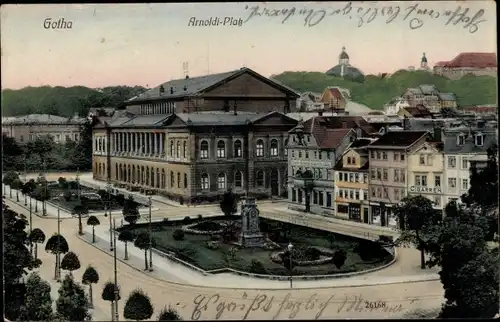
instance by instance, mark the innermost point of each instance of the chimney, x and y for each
(171, 90)
(185, 88)
(406, 123)
(437, 134)
(162, 90)
(320, 113)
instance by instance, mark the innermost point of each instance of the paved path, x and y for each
(233, 303)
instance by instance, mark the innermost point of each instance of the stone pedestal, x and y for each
(250, 235)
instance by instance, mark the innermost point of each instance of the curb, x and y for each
(247, 289)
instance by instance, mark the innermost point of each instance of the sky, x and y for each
(148, 44)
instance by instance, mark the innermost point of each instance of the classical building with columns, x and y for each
(194, 158)
(156, 143)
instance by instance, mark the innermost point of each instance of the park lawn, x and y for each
(209, 259)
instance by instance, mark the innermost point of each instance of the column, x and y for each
(114, 143)
(150, 143)
(155, 150)
(134, 136)
(129, 143)
(122, 143)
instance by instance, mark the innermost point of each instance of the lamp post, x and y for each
(108, 209)
(116, 317)
(307, 176)
(58, 244)
(78, 183)
(290, 247)
(25, 181)
(44, 182)
(150, 240)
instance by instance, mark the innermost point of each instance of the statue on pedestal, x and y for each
(250, 235)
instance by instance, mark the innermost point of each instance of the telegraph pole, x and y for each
(25, 181)
(31, 228)
(116, 317)
(108, 208)
(150, 240)
(58, 244)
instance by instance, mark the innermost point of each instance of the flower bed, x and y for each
(278, 258)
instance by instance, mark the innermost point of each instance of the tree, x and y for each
(126, 236)
(72, 304)
(9, 177)
(63, 183)
(169, 314)
(469, 271)
(108, 294)
(143, 242)
(38, 301)
(16, 185)
(80, 210)
(229, 203)
(178, 234)
(37, 237)
(130, 210)
(57, 245)
(416, 214)
(90, 276)
(70, 262)
(229, 232)
(339, 258)
(138, 306)
(93, 221)
(257, 267)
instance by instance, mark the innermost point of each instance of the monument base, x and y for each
(251, 240)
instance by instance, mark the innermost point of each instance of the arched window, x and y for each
(238, 179)
(221, 149)
(178, 179)
(171, 148)
(152, 175)
(204, 181)
(158, 178)
(259, 148)
(185, 180)
(286, 147)
(178, 149)
(99, 169)
(184, 150)
(259, 178)
(204, 150)
(274, 148)
(172, 179)
(163, 179)
(238, 153)
(146, 174)
(221, 181)
(116, 171)
(133, 174)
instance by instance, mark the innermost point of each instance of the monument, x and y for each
(250, 235)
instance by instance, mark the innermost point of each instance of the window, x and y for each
(21, 138)
(221, 181)
(204, 181)
(437, 201)
(373, 174)
(421, 180)
(372, 154)
(402, 157)
(221, 149)
(465, 184)
(348, 160)
(386, 194)
(351, 177)
(178, 179)
(238, 179)
(402, 175)
(465, 163)
(373, 192)
(184, 150)
(384, 155)
(429, 159)
(320, 198)
(460, 139)
(379, 174)
(424, 181)
(378, 155)
(185, 180)
(259, 149)
(479, 139)
(422, 159)
(452, 183)
(396, 156)
(328, 155)
(385, 174)
(204, 150)
(437, 180)
(259, 178)
(379, 192)
(396, 175)
(396, 194)
(171, 148)
(172, 179)
(365, 195)
(293, 153)
(418, 182)
(178, 149)
(357, 195)
(286, 147)
(346, 177)
(452, 162)
(274, 148)
(237, 149)
(329, 199)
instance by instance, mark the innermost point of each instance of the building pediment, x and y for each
(425, 148)
(275, 118)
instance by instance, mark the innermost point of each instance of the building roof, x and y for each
(428, 89)
(418, 111)
(331, 138)
(359, 143)
(401, 139)
(210, 119)
(343, 54)
(339, 166)
(335, 92)
(452, 146)
(440, 64)
(191, 86)
(472, 60)
(42, 119)
(337, 122)
(349, 71)
(447, 96)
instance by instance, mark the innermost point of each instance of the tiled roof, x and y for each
(398, 139)
(335, 93)
(338, 122)
(331, 138)
(440, 63)
(362, 142)
(450, 142)
(428, 89)
(42, 119)
(418, 111)
(474, 60)
(195, 85)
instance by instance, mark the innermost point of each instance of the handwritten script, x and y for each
(416, 15)
(287, 308)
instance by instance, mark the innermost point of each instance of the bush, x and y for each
(312, 254)
(186, 220)
(208, 226)
(213, 245)
(256, 267)
(178, 234)
(67, 195)
(214, 237)
(200, 217)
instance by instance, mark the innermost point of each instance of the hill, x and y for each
(63, 101)
(376, 91)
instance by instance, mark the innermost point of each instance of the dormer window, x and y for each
(460, 139)
(479, 139)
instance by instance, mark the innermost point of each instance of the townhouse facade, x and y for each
(430, 97)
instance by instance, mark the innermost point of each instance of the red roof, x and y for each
(474, 60)
(336, 93)
(441, 63)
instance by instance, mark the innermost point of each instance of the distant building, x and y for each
(480, 109)
(309, 101)
(430, 97)
(333, 99)
(478, 64)
(419, 111)
(29, 127)
(423, 63)
(394, 105)
(345, 70)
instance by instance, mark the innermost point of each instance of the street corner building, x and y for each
(192, 139)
